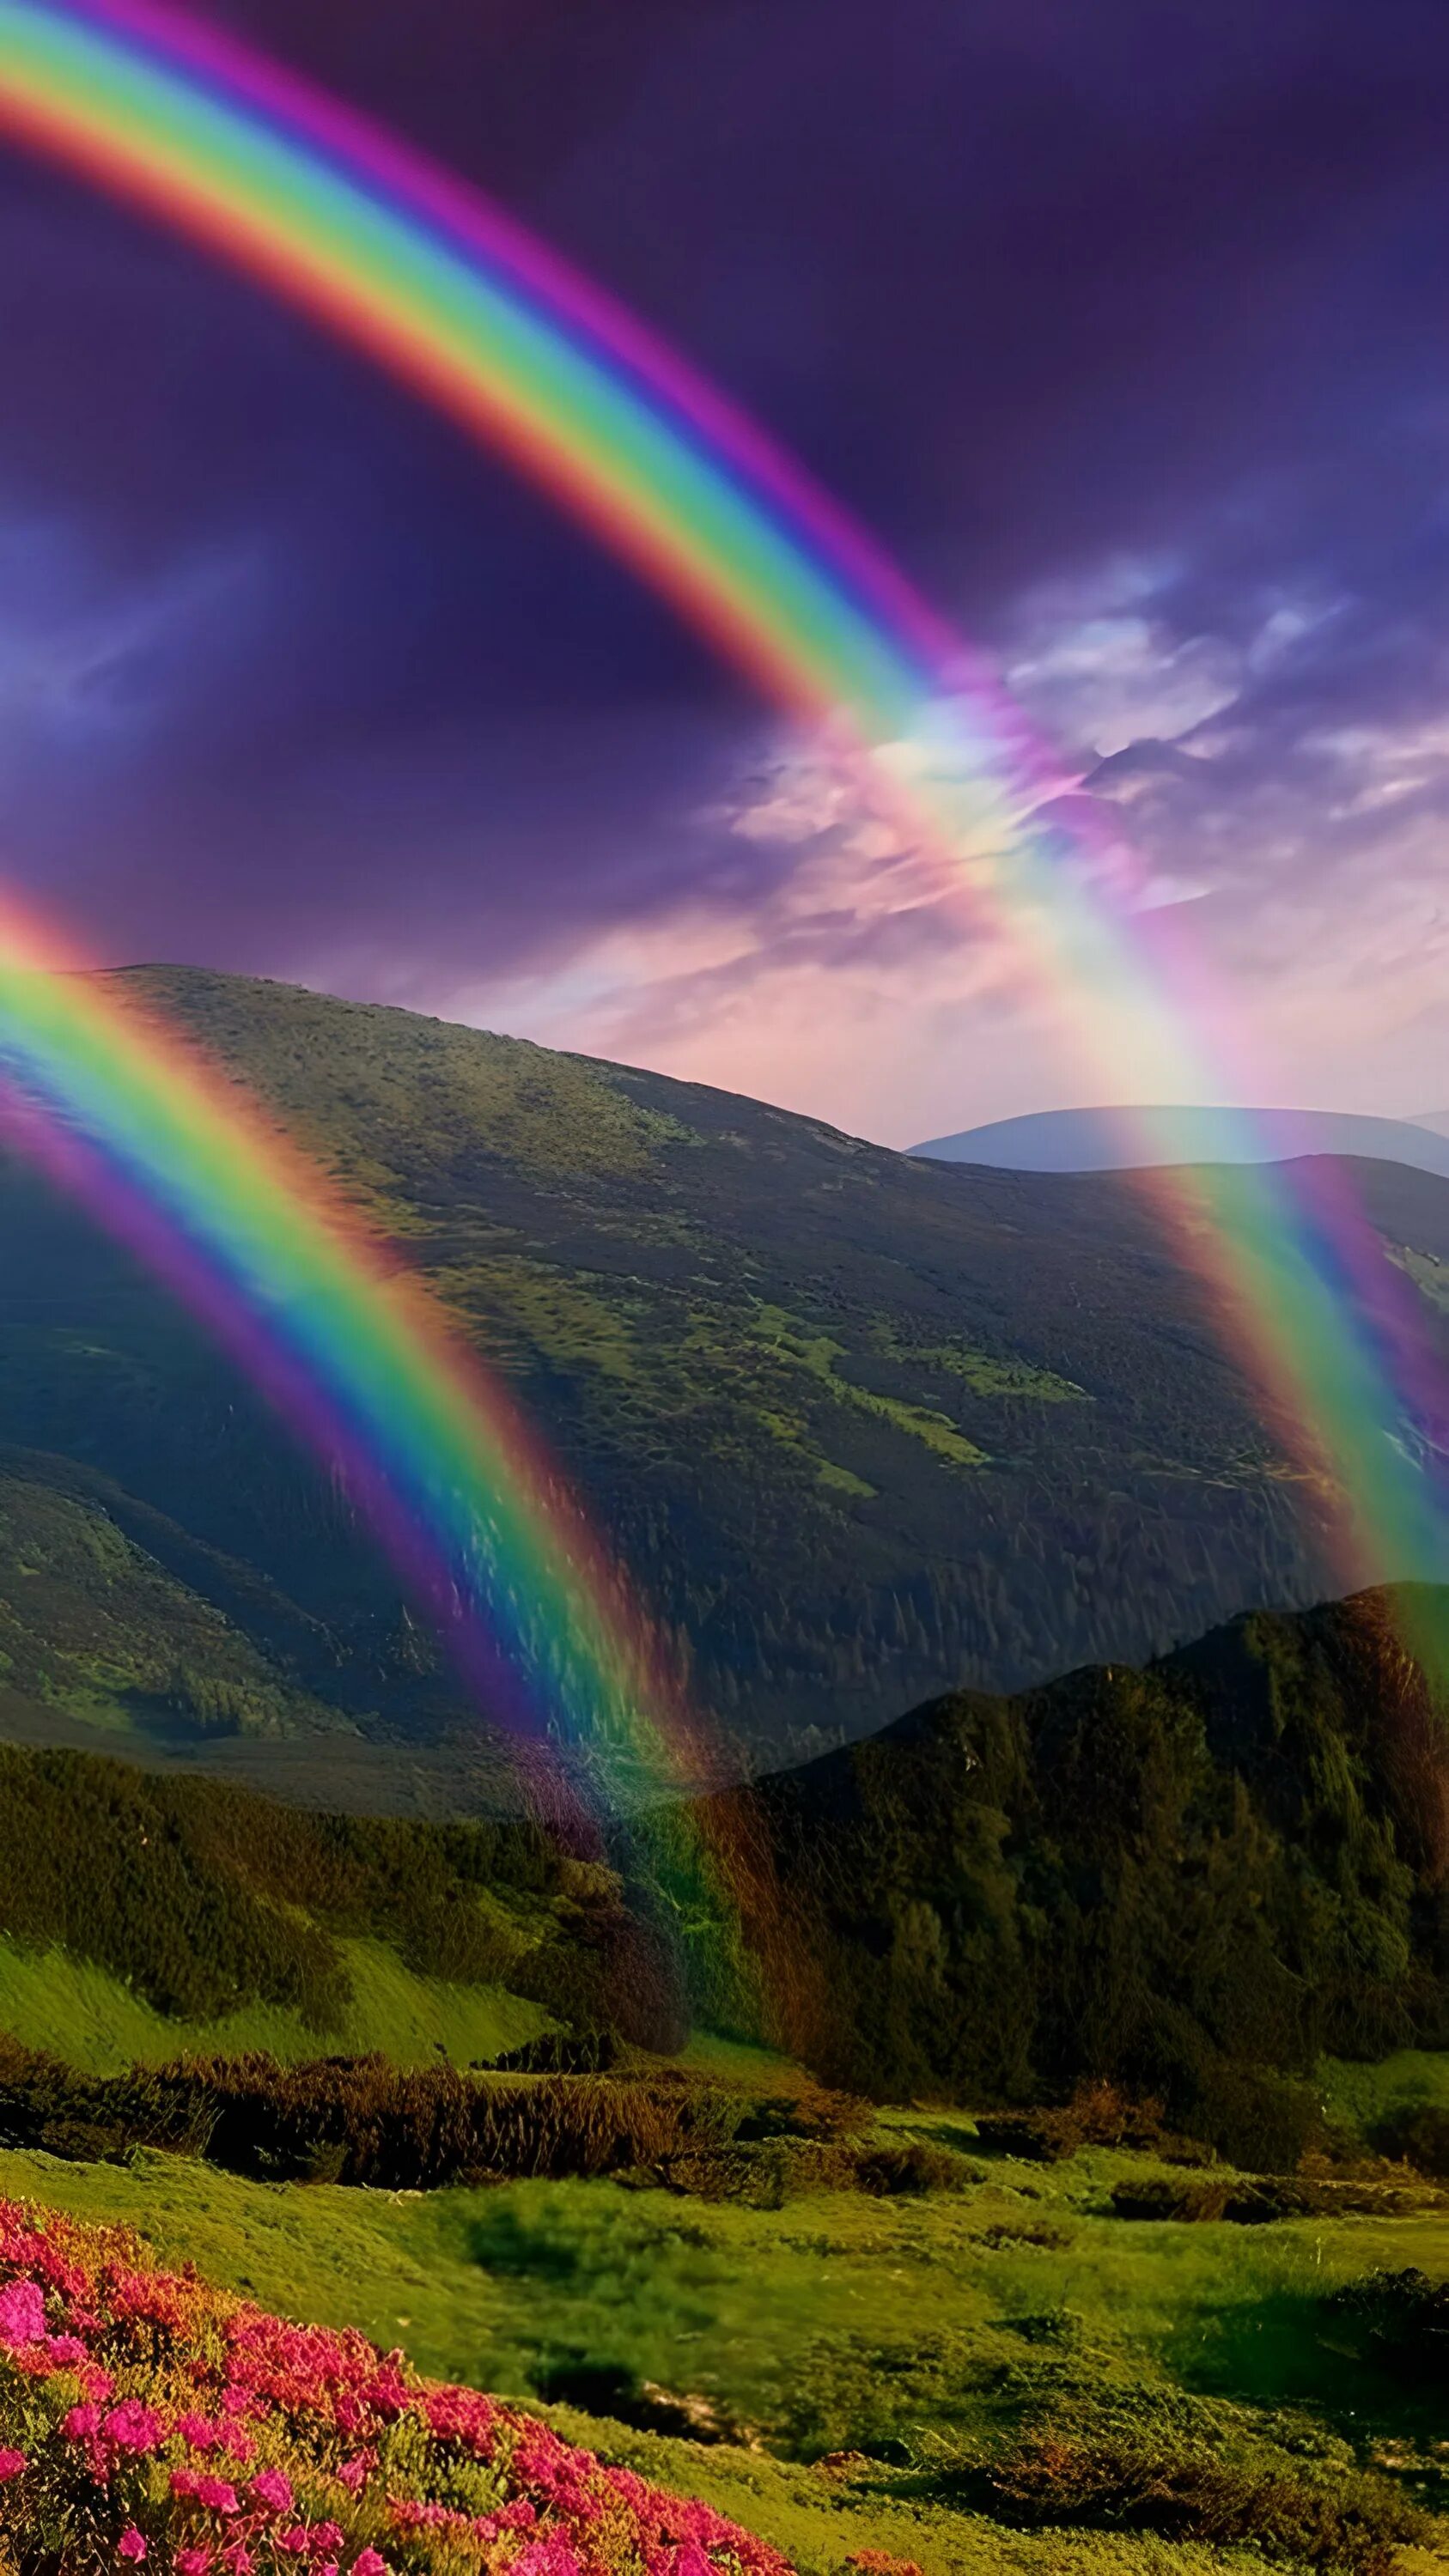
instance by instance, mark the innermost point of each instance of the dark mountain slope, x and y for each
(862, 1425)
(1236, 1857)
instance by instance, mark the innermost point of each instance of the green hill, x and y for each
(141, 1915)
(864, 1426)
(1236, 1859)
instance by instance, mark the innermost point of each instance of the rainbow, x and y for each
(175, 1163)
(431, 283)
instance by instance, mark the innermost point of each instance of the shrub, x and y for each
(1420, 2136)
(1406, 2318)
(1041, 2137)
(1259, 2121)
(363, 2121)
(1098, 2115)
(1107, 2482)
(1249, 2204)
(889, 2172)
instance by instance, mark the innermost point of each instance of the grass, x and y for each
(1360, 2097)
(52, 2001)
(92, 1624)
(517, 1307)
(909, 2331)
(818, 1353)
(982, 1371)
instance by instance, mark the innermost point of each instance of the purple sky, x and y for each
(1127, 326)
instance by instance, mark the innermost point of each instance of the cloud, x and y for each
(89, 656)
(1103, 673)
(1307, 850)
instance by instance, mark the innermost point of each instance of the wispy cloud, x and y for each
(847, 970)
(90, 655)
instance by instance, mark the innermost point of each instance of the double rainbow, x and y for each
(454, 299)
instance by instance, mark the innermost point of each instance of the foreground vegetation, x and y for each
(144, 2416)
(427, 2081)
(1194, 1880)
(998, 2372)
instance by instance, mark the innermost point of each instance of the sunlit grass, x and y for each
(53, 2001)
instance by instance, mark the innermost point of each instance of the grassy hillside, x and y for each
(142, 1914)
(50, 1999)
(850, 2366)
(92, 1623)
(864, 1426)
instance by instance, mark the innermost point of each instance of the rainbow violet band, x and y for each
(420, 275)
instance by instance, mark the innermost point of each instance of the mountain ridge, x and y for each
(1146, 1138)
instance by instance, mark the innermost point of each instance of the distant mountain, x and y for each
(1124, 1140)
(1436, 1120)
(864, 1427)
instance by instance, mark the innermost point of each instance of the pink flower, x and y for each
(551, 2557)
(297, 2541)
(198, 2432)
(81, 2422)
(193, 2562)
(66, 2351)
(354, 2473)
(238, 2559)
(131, 2544)
(369, 2564)
(11, 2464)
(134, 2427)
(216, 2495)
(22, 2316)
(273, 2490)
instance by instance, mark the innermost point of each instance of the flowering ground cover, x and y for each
(150, 2421)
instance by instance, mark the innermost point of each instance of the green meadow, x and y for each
(851, 2363)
